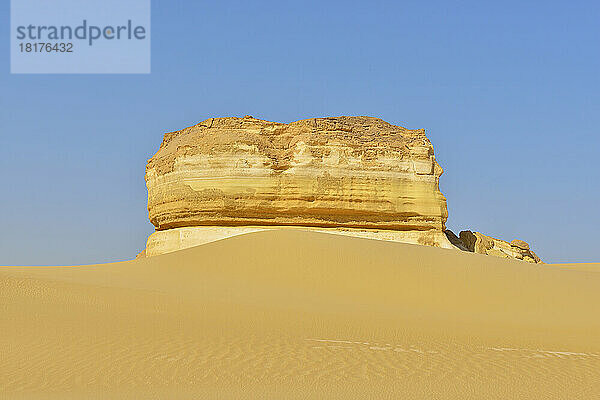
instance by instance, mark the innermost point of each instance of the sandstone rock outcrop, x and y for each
(358, 176)
(352, 174)
(477, 242)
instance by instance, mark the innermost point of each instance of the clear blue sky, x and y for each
(509, 93)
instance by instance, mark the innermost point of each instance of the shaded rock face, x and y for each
(357, 172)
(455, 240)
(479, 243)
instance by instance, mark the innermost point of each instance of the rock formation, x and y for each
(479, 243)
(357, 176)
(352, 174)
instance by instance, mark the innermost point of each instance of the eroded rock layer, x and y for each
(357, 176)
(352, 172)
(477, 242)
(169, 240)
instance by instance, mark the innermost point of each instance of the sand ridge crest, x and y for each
(332, 316)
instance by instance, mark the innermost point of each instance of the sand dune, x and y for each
(292, 314)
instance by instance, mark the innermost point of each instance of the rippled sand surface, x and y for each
(292, 314)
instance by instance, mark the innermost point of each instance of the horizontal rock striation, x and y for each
(327, 172)
(353, 173)
(357, 176)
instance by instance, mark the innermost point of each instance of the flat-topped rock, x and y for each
(357, 176)
(355, 172)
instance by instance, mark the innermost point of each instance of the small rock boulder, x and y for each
(520, 244)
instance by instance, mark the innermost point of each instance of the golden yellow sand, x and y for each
(290, 314)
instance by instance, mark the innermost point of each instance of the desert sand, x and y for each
(293, 314)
